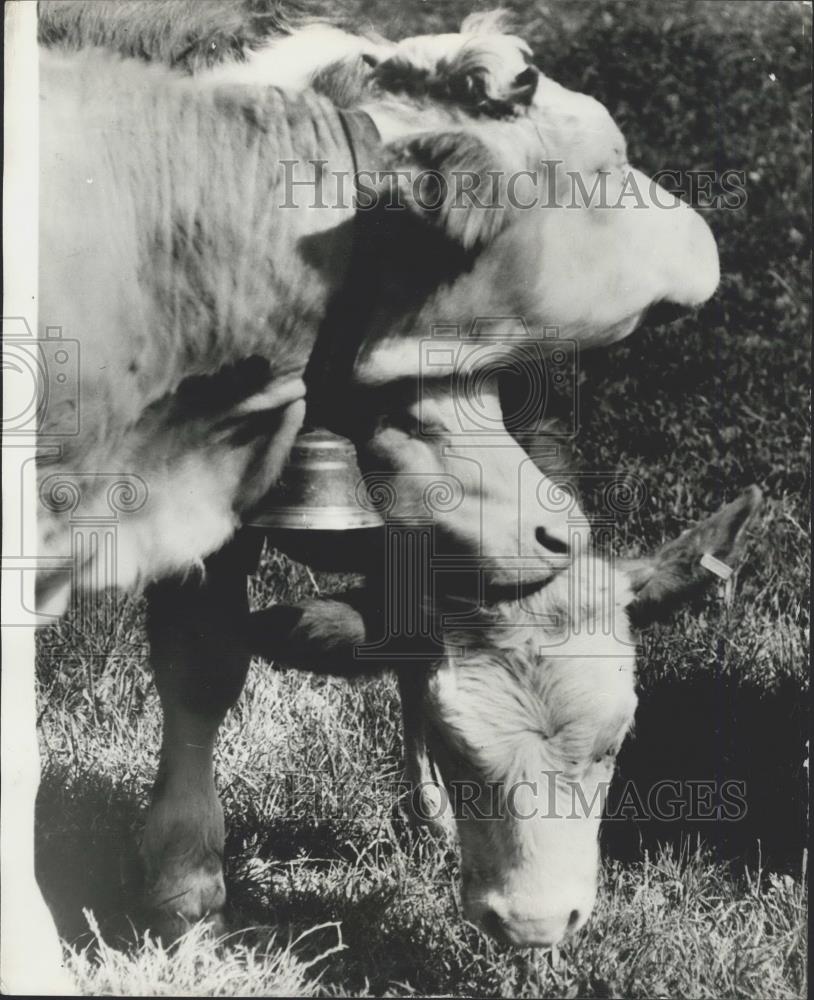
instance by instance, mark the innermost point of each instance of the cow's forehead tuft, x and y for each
(567, 639)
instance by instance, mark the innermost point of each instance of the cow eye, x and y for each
(426, 426)
(421, 424)
(400, 419)
(527, 78)
(609, 756)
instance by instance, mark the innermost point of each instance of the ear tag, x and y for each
(720, 569)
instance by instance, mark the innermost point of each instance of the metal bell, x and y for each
(318, 489)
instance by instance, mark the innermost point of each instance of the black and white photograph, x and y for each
(406, 498)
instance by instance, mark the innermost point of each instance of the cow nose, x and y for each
(553, 540)
(528, 930)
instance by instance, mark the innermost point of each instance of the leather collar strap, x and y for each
(330, 366)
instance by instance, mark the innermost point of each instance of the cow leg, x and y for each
(427, 801)
(200, 661)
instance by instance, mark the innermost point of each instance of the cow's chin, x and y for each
(623, 328)
(658, 315)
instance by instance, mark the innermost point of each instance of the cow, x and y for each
(170, 249)
(187, 308)
(523, 711)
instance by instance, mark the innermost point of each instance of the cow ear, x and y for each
(683, 567)
(454, 181)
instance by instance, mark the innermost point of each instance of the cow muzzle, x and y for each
(527, 921)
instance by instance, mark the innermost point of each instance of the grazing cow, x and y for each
(525, 710)
(181, 244)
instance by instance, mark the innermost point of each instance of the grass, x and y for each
(318, 856)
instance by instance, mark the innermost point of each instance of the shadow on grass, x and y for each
(87, 836)
(387, 937)
(86, 840)
(87, 858)
(709, 729)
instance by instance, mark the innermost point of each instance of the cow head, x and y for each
(525, 713)
(540, 217)
(528, 188)
(525, 721)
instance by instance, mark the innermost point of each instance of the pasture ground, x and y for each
(318, 856)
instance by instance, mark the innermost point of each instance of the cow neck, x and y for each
(328, 375)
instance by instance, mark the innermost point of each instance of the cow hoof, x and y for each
(170, 927)
(175, 904)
